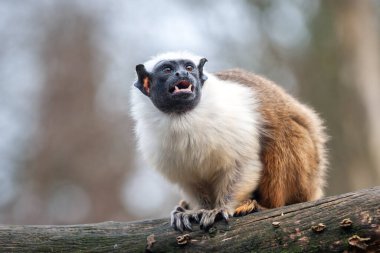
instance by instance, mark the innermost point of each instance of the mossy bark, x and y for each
(291, 231)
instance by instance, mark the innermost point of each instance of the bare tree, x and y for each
(331, 75)
(357, 26)
(81, 156)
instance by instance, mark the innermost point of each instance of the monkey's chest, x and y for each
(202, 145)
(192, 156)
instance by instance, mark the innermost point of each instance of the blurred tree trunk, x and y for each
(330, 84)
(81, 157)
(357, 26)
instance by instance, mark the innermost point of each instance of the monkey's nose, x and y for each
(182, 73)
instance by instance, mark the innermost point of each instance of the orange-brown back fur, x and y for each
(292, 144)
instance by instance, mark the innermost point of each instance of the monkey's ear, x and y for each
(200, 69)
(143, 80)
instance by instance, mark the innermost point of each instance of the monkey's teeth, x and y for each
(177, 89)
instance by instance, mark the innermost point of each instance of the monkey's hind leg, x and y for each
(248, 206)
(182, 217)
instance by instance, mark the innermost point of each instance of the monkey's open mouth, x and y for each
(183, 86)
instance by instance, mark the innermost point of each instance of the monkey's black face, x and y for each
(174, 86)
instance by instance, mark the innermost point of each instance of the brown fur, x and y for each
(292, 144)
(246, 207)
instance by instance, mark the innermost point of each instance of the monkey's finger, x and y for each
(240, 213)
(186, 222)
(179, 209)
(196, 217)
(202, 221)
(173, 223)
(172, 219)
(207, 220)
(201, 213)
(225, 215)
(178, 222)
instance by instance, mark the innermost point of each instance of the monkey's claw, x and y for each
(181, 218)
(210, 216)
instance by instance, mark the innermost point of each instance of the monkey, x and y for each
(233, 141)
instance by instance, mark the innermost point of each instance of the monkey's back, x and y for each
(292, 143)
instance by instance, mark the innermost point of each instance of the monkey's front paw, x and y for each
(181, 218)
(209, 217)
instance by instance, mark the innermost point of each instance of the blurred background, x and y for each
(67, 150)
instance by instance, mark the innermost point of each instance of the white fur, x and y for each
(221, 131)
(149, 65)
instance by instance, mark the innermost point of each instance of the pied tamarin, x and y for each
(233, 141)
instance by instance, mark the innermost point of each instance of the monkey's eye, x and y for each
(167, 70)
(189, 68)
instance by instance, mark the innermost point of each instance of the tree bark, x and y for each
(288, 229)
(357, 26)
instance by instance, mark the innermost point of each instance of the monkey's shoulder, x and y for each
(264, 88)
(238, 75)
(278, 109)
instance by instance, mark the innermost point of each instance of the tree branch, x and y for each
(292, 228)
